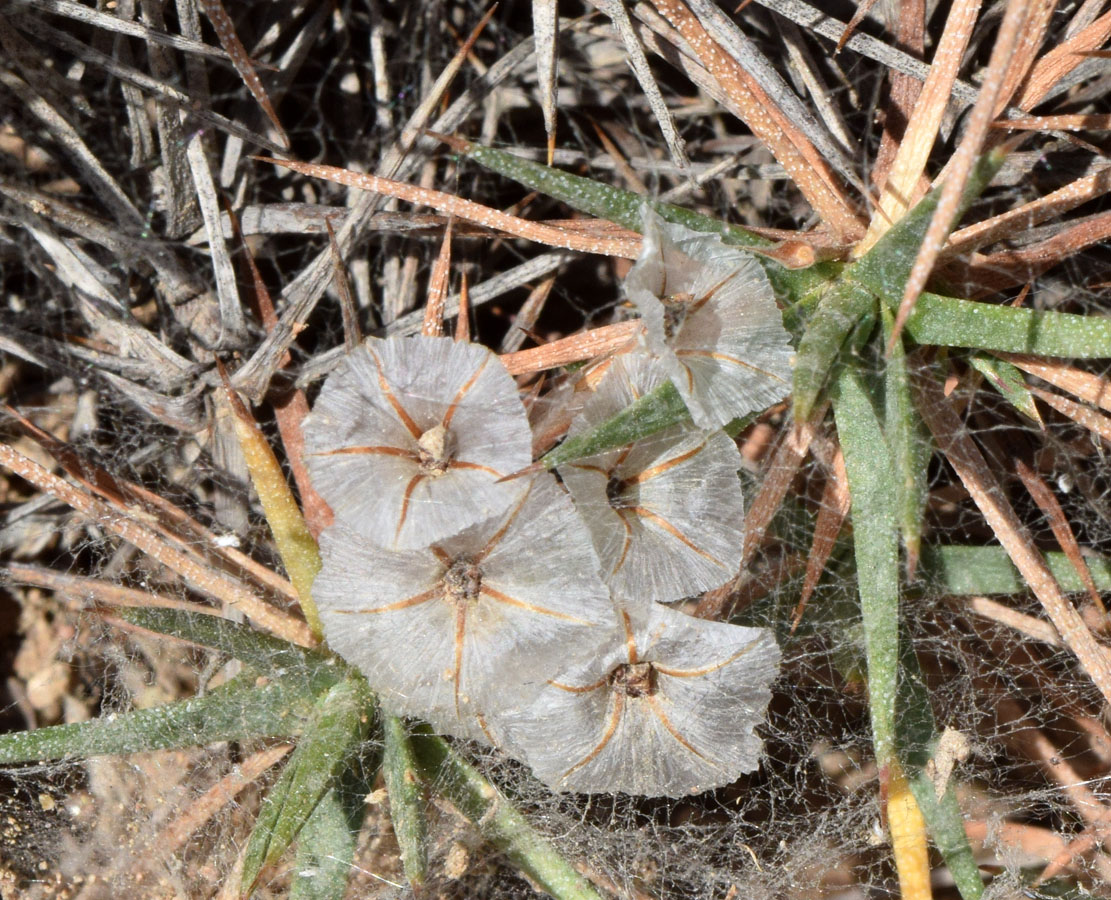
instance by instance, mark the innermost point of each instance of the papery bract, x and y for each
(669, 709)
(408, 439)
(469, 627)
(711, 320)
(665, 513)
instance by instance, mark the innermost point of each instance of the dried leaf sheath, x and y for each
(407, 441)
(457, 632)
(668, 709)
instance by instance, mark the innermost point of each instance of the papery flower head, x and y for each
(408, 439)
(665, 513)
(460, 631)
(711, 319)
(668, 709)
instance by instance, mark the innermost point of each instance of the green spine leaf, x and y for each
(341, 721)
(407, 799)
(234, 712)
(325, 851)
(1007, 379)
(875, 530)
(626, 209)
(326, 845)
(958, 570)
(599, 199)
(946, 824)
(499, 822)
(950, 322)
(263, 651)
(917, 738)
(653, 412)
(910, 445)
(885, 268)
(843, 307)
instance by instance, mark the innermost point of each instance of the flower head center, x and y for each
(634, 679)
(676, 307)
(434, 450)
(615, 490)
(463, 580)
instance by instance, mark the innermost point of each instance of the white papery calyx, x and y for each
(711, 321)
(472, 626)
(410, 436)
(665, 513)
(668, 709)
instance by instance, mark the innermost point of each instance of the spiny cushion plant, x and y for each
(905, 397)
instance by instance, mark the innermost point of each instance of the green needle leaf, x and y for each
(958, 570)
(1007, 379)
(500, 823)
(325, 850)
(885, 268)
(910, 446)
(626, 209)
(255, 648)
(653, 412)
(326, 845)
(340, 723)
(917, 741)
(842, 308)
(599, 199)
(234, 712)
(875, 540)
(407, 799)
(949, 322)
(946, 824)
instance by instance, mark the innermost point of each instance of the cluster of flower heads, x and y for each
(528, 613)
